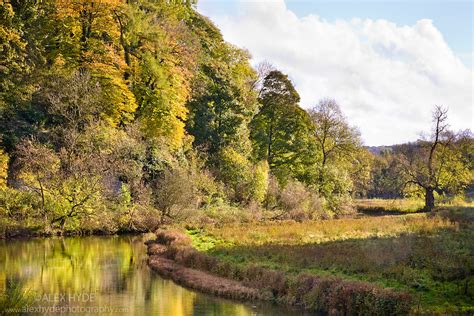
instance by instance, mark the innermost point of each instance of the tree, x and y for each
(436, 164)
(161, 53)
(280, 129)
(223, 101)
(386, 177)
(337, 143)
(260, 182)
(13, 48)
(360, 171)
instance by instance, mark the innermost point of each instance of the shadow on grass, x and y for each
(380, 211)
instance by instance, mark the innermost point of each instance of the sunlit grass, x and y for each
(407, 205)
(294, 233)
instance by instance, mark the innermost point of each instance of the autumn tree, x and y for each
(435, 164)
(337, 144)
(161, 56)
(13, 48)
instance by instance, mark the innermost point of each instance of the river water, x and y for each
(102, 275)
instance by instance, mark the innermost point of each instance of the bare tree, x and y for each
(434, 164)
(38, 166)
(263, 69)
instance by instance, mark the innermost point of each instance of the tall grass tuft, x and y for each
(14, 299)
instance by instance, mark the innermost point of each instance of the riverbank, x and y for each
(19, 232)
(173, 256)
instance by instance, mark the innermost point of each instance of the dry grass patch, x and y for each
(294, 233)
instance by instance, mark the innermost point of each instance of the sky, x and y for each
(386, 63)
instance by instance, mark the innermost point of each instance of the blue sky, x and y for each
(454, 18)
(386, 63)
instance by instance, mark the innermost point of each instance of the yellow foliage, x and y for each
(3, 169)
(121, 102)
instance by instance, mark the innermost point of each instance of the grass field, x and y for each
(429, 255)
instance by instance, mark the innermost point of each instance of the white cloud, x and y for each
(386, 77)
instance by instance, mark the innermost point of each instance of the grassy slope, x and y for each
(430, 255)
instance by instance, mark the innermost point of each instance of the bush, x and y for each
(235, 172)
(295, 201)
(222, 214)
(259, 182)
(175, 195)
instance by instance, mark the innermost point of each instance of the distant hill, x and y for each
(378, 150)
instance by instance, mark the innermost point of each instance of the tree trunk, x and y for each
(429, 199)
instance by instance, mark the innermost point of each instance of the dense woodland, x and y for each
(126, 115)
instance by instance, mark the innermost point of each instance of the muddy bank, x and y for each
(202, 281)
(173, 256)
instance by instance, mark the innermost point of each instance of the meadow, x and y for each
(429, 255)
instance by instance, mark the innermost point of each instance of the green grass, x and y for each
(14, 298)
(429, 255)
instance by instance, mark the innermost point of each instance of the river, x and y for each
(105, 275)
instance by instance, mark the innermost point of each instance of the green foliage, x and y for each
(234, 170)
(338, 144)
(222, 101)
(12, 48)
(280, 129)
(260, 180)
(387, 181)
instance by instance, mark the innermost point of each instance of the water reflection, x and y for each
(106, 275)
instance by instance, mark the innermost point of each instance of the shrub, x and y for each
(259, 183)
(235, 172)
(300, 203)
(222, 214)
(174, 195)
